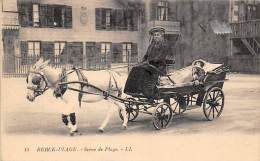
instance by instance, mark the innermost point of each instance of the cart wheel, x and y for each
(162, 116)
(213, 103)
(132, 110)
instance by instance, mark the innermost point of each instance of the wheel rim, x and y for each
(132, 110)
(213, 103)
(162, 116)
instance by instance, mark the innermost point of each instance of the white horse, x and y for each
(42, 77)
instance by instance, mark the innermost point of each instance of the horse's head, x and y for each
(36, 80)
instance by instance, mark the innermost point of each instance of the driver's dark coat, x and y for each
(157, 53)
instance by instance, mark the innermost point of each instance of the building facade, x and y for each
(84, 33)
(97, 34)
(245, 38)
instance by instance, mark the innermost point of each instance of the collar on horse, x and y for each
(60, 90)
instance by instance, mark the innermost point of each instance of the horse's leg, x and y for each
(73, 128)
(66, 121)
(122, 109)
(70, 122)
(105, 122)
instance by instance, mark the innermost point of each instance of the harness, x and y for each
(61, 89)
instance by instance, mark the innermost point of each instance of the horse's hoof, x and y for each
(124, 127)
(75, 133)
(101, 130)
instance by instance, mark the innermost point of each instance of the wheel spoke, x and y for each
(210, 97)
(207, 107)
(213, 113)
(218, 99)
(214, 94)
(161, 122)
(133, 114)
(209, 112)
(216, 109)
(217, 95)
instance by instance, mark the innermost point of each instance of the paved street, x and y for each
(238, 125)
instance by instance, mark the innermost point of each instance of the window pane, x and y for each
(124, 46)
(62, 46)
(103, 46)
(129, 46)
(108, 46)
(37, 46)
(30, 45)
(124, 56)
(35, 7)
(30, 52)
(37, 52)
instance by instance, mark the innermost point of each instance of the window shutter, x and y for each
(135, 19)
(68, 17)
(98, 18)
(30, 14)
(91, 55)
(24, 48)
(98, 54)
(22, 15)
(47, 50)
(25, 14)
(171, 11)
(50, 16)
(113, 19)
(43, 16)
(116, 56)
(134, 54)
(121, 19)
(153, 11)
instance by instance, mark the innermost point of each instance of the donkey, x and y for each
(42, 77)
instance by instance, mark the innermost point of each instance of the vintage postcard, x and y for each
(144, 80)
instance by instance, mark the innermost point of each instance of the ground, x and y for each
(233, 136)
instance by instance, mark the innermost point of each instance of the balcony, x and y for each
(247, 29)
(171, 27)
(10, 20)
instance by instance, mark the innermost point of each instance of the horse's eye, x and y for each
(36, 80)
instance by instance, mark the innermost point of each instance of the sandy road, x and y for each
(234, 136)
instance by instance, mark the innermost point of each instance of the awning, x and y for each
(220, 28)
(10, 27)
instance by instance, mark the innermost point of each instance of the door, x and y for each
(9, 45)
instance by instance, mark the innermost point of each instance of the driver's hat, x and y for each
(156, 29)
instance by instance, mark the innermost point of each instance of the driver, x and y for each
(158, 49)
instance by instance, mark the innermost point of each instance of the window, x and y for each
(33, 48)
(36, 19)
(105, 51)
(42, 15)
(59, 48)
(116, 19)
(162, 11)
(127, 50)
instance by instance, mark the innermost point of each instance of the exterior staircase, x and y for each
(252, 45)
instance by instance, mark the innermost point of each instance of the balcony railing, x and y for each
(247, 29)
(171, 27)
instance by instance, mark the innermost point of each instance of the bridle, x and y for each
(37, 86)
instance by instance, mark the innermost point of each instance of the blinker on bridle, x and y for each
(36, 80)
